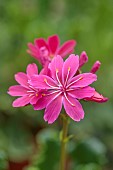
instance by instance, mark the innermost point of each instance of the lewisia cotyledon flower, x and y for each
(45, 51)
(27, 93)
(63, 88)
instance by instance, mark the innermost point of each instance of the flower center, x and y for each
(44, 51)
(61, 88)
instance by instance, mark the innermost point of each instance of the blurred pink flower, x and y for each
(45, 51)
(63, 88)
(29, 94)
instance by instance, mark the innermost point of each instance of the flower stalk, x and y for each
(64, 142)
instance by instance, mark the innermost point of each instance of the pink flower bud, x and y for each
(83, 59)
(95, 67)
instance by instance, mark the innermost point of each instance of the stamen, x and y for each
(80, 78)
(68, 90)
(68, 100)
(67, 76)
(53, 87)
(43, 94)
(69, 68)
(30, 91)
(31, 95)
(36, 94)
(52, 92)
(57, 95)
(57, 77)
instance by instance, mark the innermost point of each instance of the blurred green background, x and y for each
(25, 139)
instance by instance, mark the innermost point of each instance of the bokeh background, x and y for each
(26, 141)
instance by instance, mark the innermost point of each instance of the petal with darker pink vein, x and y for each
(22, 101)
(53, 43)
(74, 110)
(17, 90)
(70, 67)
(83, 80)
(56, 68)
(42, 82)
(53, 110)
(81, 93)
(22, 79)
(67, 48)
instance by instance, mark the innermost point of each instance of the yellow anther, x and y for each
(56, 70)
(43, 94)
(69, 68)
(36, 94)
(45, 79)
(51, 56)
(80, 78)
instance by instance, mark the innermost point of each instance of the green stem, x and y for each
(63, 143)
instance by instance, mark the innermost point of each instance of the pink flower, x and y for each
(27, 93)
(63, 88)
(45, 51)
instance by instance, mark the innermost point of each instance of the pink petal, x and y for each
(83, 80)
(42, 82)
(22, 79)
(40, 42)
(53, 43)
(45, 70)
(83, 59)
(34, 51)
(56, 68)
(33, 48)
(53, 110)
(97, 98)
(17, 90)
(70, 67)
(31, 70)
(75, 111)
(44, 100)
(22, 101)
(34, 99)
(67, 48)
(81, 93)
(95, 67)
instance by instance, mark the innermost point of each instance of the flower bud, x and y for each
(83, 59)
(95, 67)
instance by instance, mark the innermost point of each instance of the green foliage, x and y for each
(89, 151)
(3, 160)
(90, 166)
(48, 155)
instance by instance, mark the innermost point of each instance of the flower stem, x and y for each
(63, 143)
